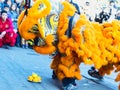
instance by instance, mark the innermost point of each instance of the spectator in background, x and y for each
(14, 15)
(112, 10)
(8, 2)
(18, 2)
(102, 16)
(0, 11)
(7, 8)
(1, 4)
(117, 16)
(7, 35)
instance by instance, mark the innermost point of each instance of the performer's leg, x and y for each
(18, 40)
(54, 76)
(9, 39)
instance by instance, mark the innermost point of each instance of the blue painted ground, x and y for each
(16, 64)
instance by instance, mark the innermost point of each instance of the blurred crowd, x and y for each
(94, 14)
(101, 13)
(13, 8)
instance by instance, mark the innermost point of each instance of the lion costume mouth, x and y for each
(38, 40)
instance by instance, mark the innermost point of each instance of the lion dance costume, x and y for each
(90, 42)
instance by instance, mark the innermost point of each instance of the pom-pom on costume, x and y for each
(90, 42)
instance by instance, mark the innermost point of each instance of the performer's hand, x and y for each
(3, 33)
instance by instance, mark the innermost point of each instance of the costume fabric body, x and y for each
(10, 36)
(90, 43)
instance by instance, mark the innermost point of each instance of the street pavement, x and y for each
(16, 64)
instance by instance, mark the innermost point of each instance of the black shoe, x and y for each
(94, 73)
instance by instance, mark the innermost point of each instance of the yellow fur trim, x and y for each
(32, 18)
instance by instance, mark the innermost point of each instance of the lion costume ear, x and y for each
(32, 18)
